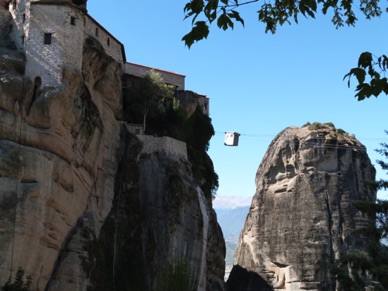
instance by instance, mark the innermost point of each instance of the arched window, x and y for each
(108, 41)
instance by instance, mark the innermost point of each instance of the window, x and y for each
(72, 20)
(96, 31)
(24, 17)
(23, 37)
(108, 41)
(47, 38)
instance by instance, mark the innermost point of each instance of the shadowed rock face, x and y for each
(301, 218)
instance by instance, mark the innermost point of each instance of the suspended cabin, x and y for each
(231, 138)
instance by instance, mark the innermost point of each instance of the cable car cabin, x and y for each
(231, 138)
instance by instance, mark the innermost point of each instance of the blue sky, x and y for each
(258, 83)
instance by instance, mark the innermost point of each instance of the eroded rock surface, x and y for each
(301, 218)
(57, 162)
(81, 204)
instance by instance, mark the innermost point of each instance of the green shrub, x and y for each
(316, 125)
(340, 132)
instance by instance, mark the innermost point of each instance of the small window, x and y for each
(23, 37)
(108, 41)
(96, 31)
(24, 17)
(47, 38)
(72, 20)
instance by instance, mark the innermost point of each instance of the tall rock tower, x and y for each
(301, 218)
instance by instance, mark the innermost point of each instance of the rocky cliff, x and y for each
(83, 203)
(301, 218)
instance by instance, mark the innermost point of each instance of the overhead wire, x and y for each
(266, 137)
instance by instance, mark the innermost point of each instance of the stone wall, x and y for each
(19, 14)
(47, 60)
(163, 144)
(69, 26)
(111, 45)
(171, 78)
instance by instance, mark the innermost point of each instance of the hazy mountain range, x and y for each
(231, 215)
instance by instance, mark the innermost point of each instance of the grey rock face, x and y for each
(57, 166)
(301, 218)
(81, 204)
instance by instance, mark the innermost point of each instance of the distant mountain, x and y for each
(231, 221)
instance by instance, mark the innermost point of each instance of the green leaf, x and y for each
(210, 10)
(308, 7)
(312, 4)
(365, 60)
(364, 91)
(383, 62)
(358, 73)
(198, 32)
(224, 22)
(197, 6)
(234, 14)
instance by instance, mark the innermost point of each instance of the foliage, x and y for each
(357, 270)
(197, 132)
(167, 117)
(176, 277)
(272, 13)
(383, 184)
(318, 125)
(371, 267)
(148, 96)
(18, 284)
(375, 69)
(278, 12)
